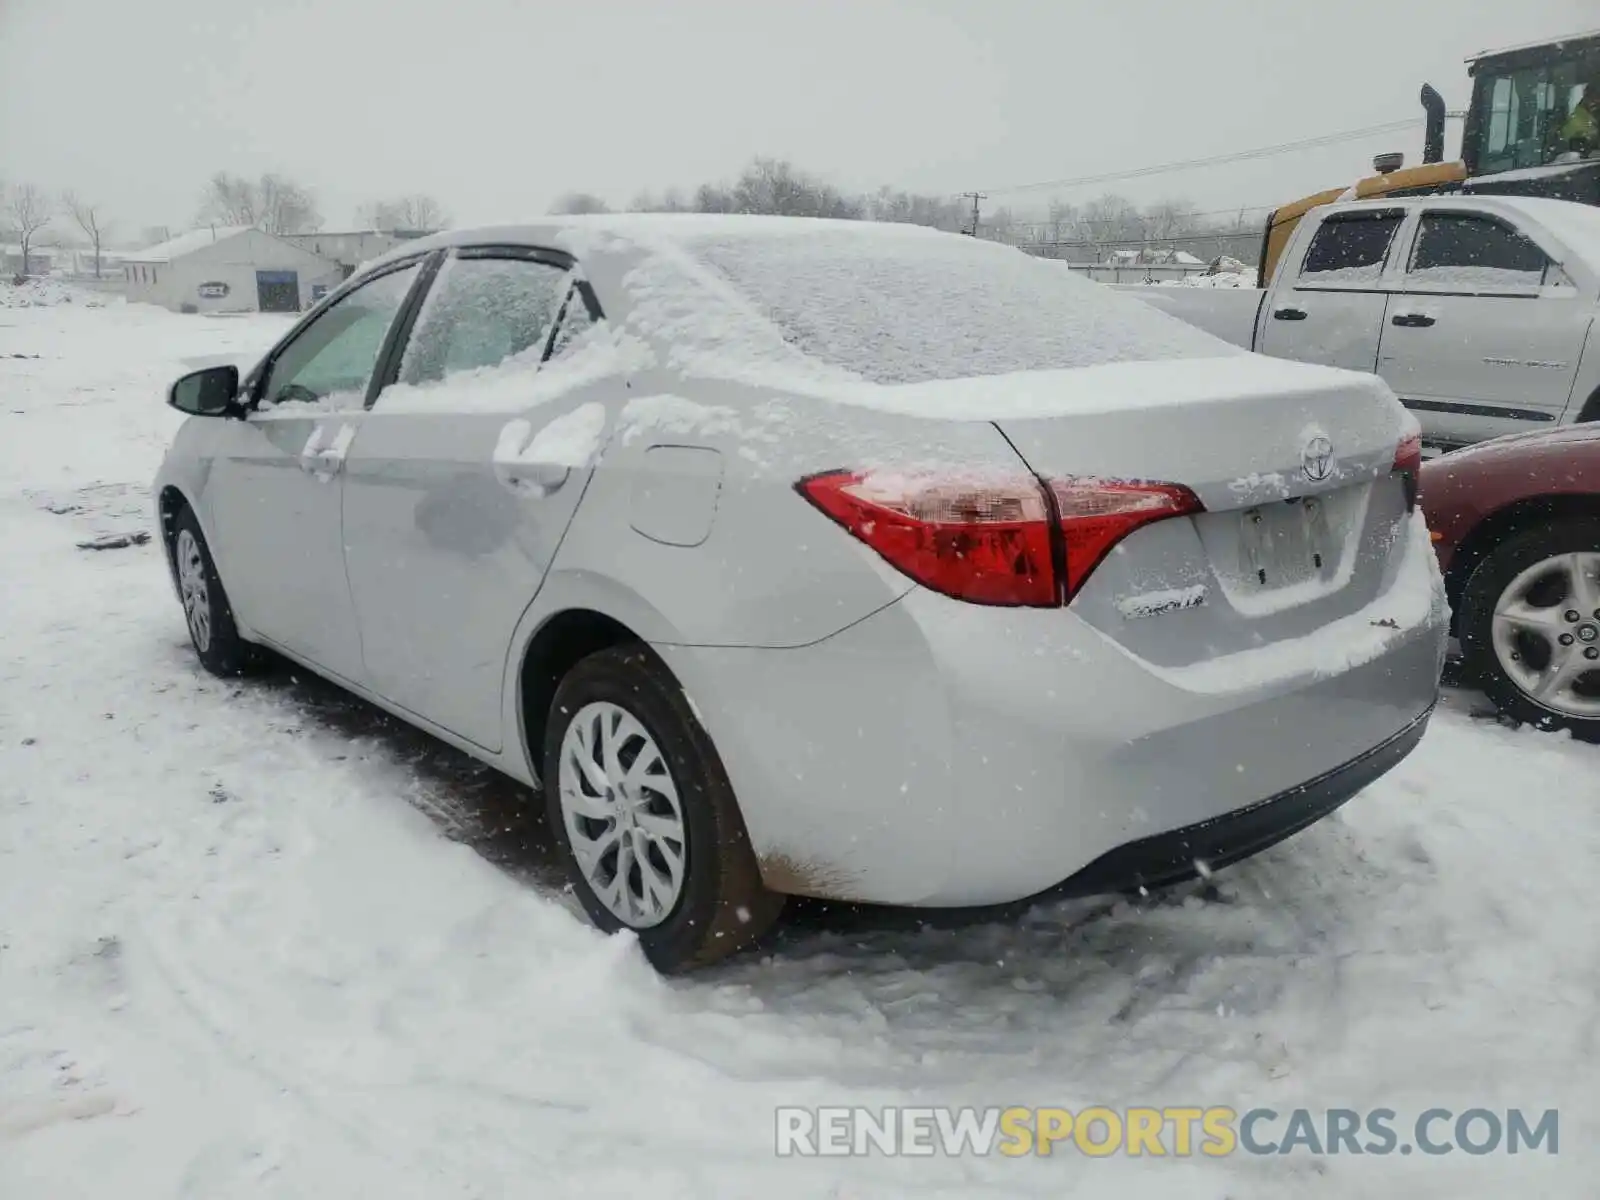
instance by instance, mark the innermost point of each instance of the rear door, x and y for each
(1330, 308)
(1484, 330)
(453, 505)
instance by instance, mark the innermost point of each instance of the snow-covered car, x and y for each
(820, 558)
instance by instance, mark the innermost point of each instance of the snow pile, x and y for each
(674, 414)
(539, 459)
(1222, 279)
(600, 352)
(42, 292)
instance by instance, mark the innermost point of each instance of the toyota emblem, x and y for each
(1316, 460)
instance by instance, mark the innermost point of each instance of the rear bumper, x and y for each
(941, 755)
(1172, 857)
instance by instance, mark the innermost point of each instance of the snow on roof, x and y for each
(1549, 41)
(1578, 225)
(186, 243)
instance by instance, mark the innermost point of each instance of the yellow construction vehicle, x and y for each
(1530, 130)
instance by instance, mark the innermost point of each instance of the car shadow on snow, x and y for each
(502, 819)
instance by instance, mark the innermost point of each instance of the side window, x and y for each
(1350, 248)
(481, 312)
(1463, 250)
(335, 355)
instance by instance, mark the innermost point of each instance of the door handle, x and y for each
(1412, 320)
(324, 463)
(322, 458)
(1289, 314)
(531, 478)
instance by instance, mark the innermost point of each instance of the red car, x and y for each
(1516, 523)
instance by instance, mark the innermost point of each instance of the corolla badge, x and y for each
(1316, 460)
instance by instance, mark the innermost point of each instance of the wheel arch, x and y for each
(171, 501)
(1504, 522)
(559, 643)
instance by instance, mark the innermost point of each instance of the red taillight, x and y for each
(1408, 462)
(986, 541)
(994, 540)
(1408, 455)
(1097, 514)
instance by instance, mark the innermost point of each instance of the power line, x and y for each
(1327, 139)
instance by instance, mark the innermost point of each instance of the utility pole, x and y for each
(974, 197)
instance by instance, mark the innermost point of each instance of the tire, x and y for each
(206, 609)
(1533, 571)
(716, 904)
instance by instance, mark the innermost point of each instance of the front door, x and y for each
(1484, 331)
(274, 491)
(456, 497)
(1332, 310)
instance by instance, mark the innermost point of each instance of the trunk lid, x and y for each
(1293, 463)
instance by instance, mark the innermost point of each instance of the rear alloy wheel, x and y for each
(206, 610)
(1531, 627)
(639, 804)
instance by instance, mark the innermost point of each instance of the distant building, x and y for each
(352, 248)
(228, 268)
(41, 260)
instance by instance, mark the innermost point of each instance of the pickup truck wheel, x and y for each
(1530, 626)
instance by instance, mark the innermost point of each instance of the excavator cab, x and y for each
(1533, 127)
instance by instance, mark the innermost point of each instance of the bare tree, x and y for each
(713, 198)
(287, 207)
(1170, 219)
(417, 212)
(231, 199)
(28, 210)
(770, 185)
(89, 219)
(669, 201)
(579, 202)
(272, 203)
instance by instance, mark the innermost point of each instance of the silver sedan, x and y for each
(819, 558)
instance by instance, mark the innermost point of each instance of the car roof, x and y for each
(613, 231)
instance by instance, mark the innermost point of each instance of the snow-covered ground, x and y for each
(256, 940)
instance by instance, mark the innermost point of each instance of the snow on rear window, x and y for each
(897, 310)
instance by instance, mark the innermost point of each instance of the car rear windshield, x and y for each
(895, 308)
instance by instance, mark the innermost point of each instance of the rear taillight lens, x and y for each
(986, 541)
(1408, 462)
(998, 541)
(1097, 514)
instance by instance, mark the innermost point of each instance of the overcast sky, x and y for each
(496, 106)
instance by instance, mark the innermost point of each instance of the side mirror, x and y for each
(211, 392)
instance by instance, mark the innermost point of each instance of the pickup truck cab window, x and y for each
(1471, 251)
(1350, 248)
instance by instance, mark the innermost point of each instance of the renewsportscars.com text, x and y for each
(1213, 1132)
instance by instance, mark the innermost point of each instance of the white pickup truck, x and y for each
(1480, 313)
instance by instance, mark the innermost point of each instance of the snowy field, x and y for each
(258, 940)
